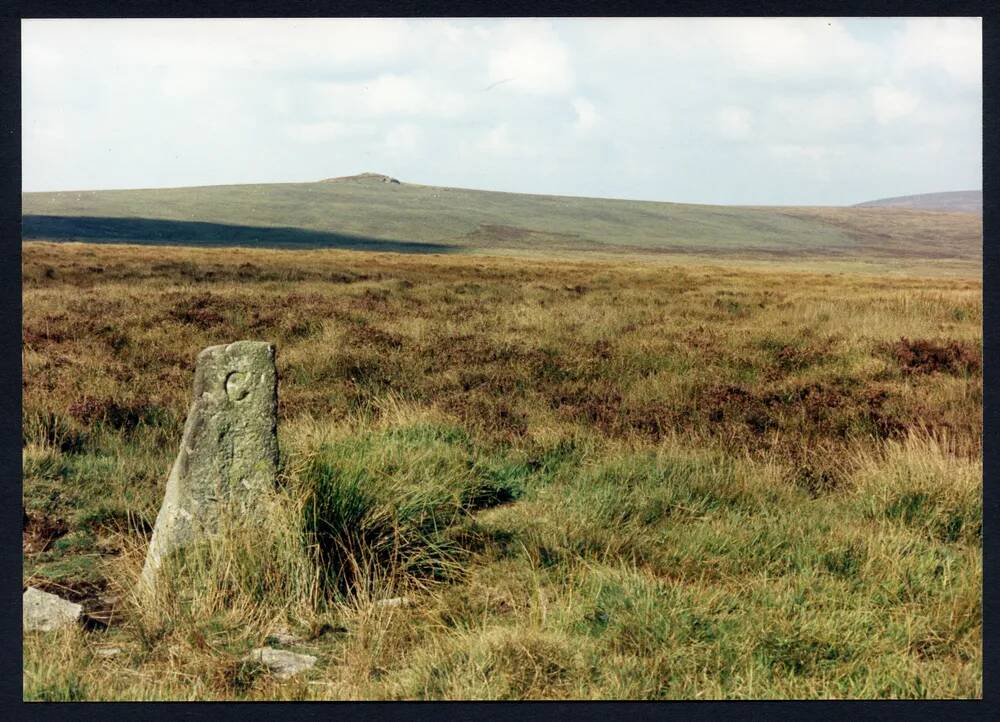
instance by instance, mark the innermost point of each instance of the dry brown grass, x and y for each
(596, 478)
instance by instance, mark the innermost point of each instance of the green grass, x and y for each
(592, 479)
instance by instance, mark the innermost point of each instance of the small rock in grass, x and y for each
(108, 651)
(394, 602)
(283, 636)
(46, 612)
(282, 664)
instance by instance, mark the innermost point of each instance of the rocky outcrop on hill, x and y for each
(362, 178)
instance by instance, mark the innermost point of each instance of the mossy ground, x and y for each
(594, 479)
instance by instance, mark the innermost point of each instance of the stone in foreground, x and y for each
(44, 612)
(229, 451)
(282, 664)
(393, 603)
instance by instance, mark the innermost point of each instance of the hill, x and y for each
(952, 201)
(375, 212)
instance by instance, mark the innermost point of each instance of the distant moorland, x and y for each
(370, 212)
(953, 201)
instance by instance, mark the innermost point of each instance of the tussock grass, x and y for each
(917, 482)
(589, 480)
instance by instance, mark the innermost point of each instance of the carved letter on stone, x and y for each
(229, 451)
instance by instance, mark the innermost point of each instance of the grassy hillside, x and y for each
(592, 478)
(369, 214)
(952, 201)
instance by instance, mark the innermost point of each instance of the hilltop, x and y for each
(362, 178)
(373, 211)
(952, 201)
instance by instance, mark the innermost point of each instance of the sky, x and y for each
(819, 111)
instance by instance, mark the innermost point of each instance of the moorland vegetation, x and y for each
(591, 478)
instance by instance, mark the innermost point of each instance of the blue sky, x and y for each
(745, 111)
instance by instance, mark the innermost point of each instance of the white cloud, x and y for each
(953, 46)
(323, 131)
(497, 141)
(249, 44)
(531, 58)
(403, 138)
(733, 123)
(890, 103)
(817, 161)
(388, 95)
(587, 117)
(780, 47)
(37, 52)
(186, 83)
(769, 49)
(50, 130)
(797, 150)
(823, 114)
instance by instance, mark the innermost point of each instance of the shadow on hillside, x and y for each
(196, 233)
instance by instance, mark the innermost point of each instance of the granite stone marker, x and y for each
(229, 451)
